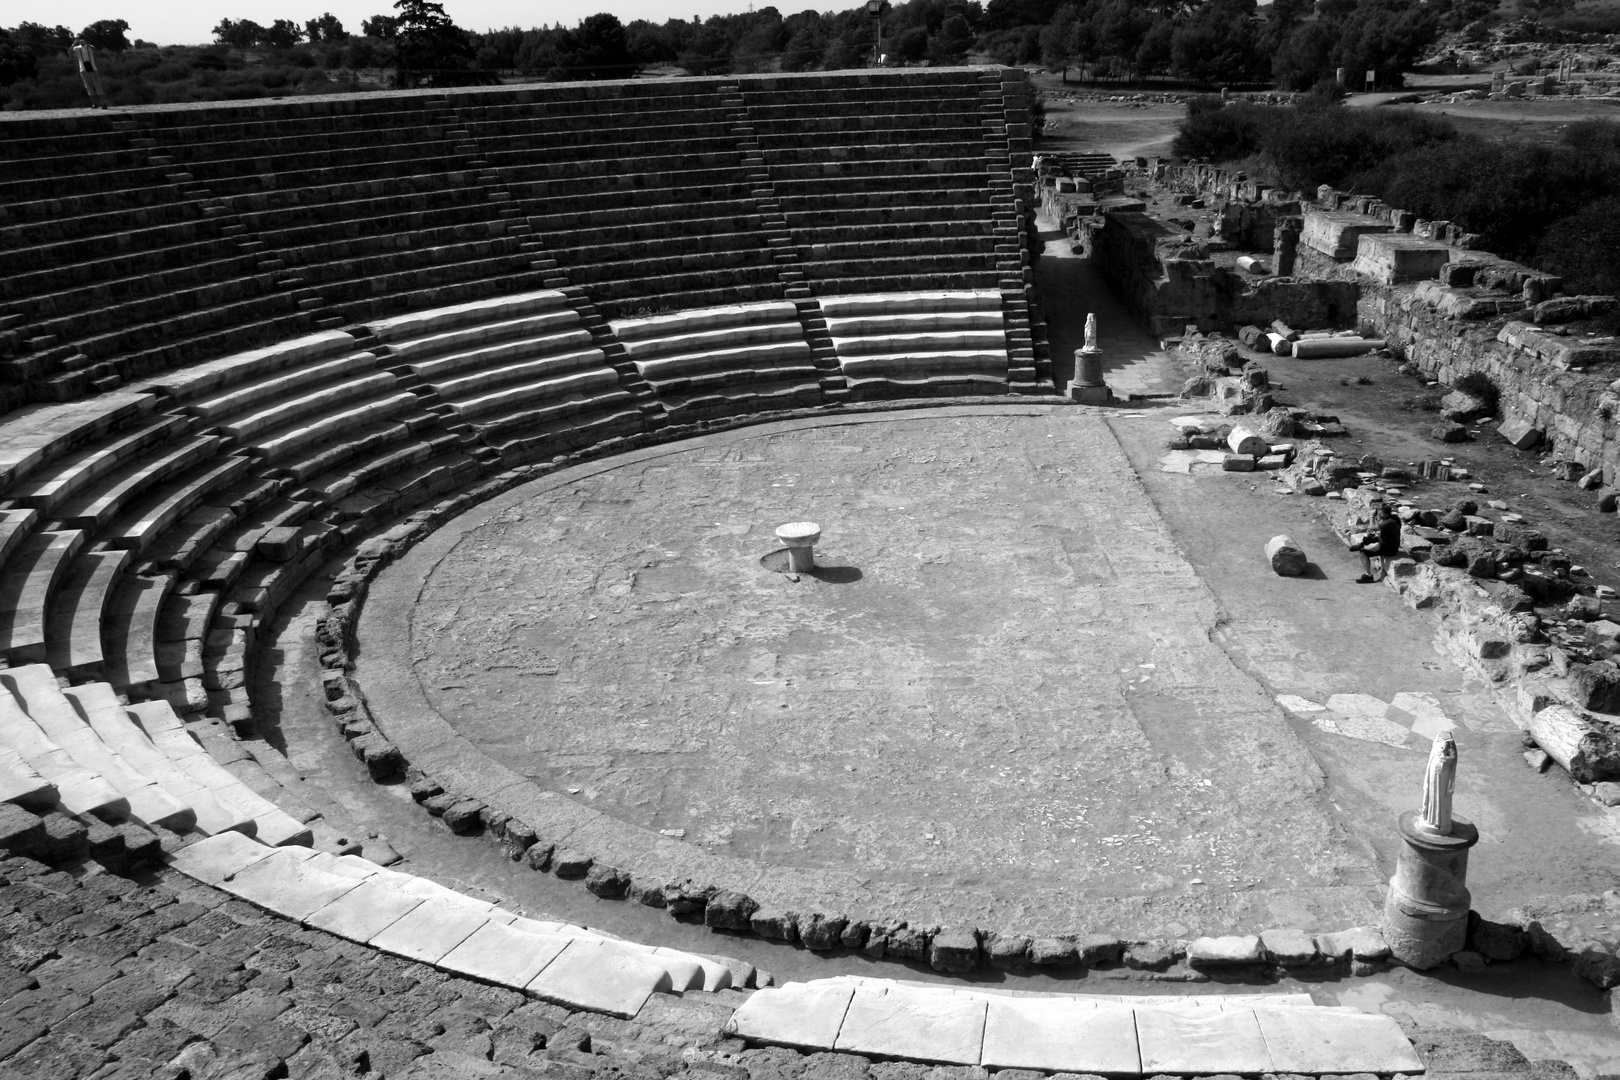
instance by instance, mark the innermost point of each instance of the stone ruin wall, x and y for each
(1474, 313)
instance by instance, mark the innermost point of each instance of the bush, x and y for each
(1584, 248)
(1308, 144)
(1510, 193)
(1220, 131)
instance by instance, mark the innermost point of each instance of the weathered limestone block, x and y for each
(775, 924)
(821, 932)
(911, 942)
(463, 816)
(730, 911)
(1237, 463)
(1598, 966)
(1357, 943)
(1289, 947)
(608, 882)
(1053, 952)
(1337, 234)
(1097, 949)
(1460, 405)
(1286, 557)
(1393, 258)
(1520, 433)
(1225, 951)
(571, 865)
(954, 949)
(1596, 686)
(1007, 951)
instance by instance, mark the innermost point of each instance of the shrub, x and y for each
(1584, 248)
(1220, 131)
(1509, 193)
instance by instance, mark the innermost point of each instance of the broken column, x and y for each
(800, 538)
(1426, 912)
(1286, 557)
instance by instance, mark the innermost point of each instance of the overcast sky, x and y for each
(188, 22)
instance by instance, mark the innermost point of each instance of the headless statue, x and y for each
(1439, 780)
(1091, 333)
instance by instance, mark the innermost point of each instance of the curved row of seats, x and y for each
(162, 238)
(146, 533)
(251, 334)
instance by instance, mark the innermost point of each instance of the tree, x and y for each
(41, 39)
(1216, 44)
(597, 49)
(238, 34)
(807, 45)
(282, 34)
(107, 35)
(17, 60)
(912, 44)
(952, 42)
(1584, 249)
(380, 26)
(327, 28)
(430, 50)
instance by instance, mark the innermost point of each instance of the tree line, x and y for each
(1292, 44)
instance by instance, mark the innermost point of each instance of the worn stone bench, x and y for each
(73, 625)
(34, 690)
(920, 342)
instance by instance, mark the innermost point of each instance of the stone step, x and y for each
(419, 919)
(34, 689)
(1114, 1036)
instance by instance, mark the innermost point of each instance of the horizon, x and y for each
(185, 24)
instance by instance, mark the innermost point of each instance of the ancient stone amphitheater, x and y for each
(243, 343)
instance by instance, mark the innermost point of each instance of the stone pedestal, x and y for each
(1426, 914)
(1087, 384)
(800, 538)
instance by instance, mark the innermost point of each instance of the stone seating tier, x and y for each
(73, 626)
(926, 343)
(147, 348)
(294, 181)
(330, 432)
(132, 255)
(31, 577)
(716, 361)
(117, 761)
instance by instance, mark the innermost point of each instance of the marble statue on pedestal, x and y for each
(1439, 781)
(1091, 332)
